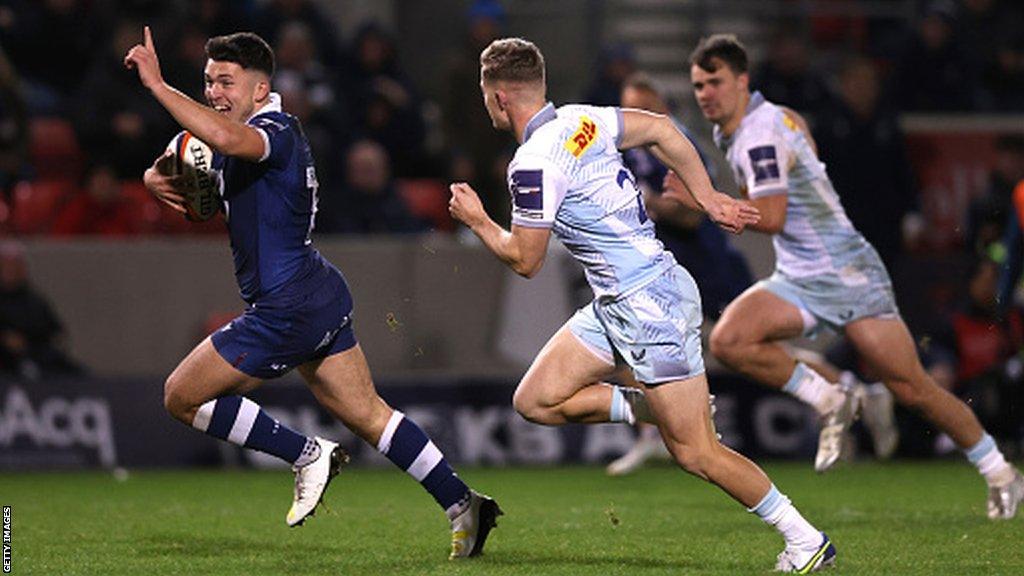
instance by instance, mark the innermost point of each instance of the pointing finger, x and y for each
(149, 38)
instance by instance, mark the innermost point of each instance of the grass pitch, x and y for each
(898, 518)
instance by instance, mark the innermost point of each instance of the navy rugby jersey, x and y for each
(270, 206)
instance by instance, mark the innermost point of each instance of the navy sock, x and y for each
(241, 421)
(405, 444)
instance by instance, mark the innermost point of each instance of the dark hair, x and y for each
(512, 60)
(246, 49)
(724, 47)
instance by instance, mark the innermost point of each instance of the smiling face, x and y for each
(234, 91)
(719, 93)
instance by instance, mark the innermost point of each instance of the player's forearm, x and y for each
(216, 130)
(676, 152)
(503, 244)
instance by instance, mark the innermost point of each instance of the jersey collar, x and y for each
(273, 105)
(722, 141)
(545, 115)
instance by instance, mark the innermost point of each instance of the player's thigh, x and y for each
(758, 315)
(565, 365)
(342, 383)
(887, 348)
(202, 376)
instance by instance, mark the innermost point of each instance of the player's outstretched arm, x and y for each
(642, 128)
(523, 249)
(219, 132)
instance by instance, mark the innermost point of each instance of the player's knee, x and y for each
(696, 461)
(176, 402)
(724, 343)
(530, 407)
(909, 395)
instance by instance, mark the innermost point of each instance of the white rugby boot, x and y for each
(877, 412)
(312, 479)
(470, 529)
(1003, 501)
(797, 561)
(834, 426)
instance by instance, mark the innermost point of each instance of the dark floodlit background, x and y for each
(917, 107)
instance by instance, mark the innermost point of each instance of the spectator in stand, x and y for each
(218, 17)
(13, 128)
(386, 108)
(786, 76)
(933, 74)
(994, 42)
(370, 202)
(100, 208)
(989, 215)
(273, 15)
(615, 63)
(860, 141)
(113, 116)
(309, 91)
(31, 335)
(187, 53)
(33, 31)
(475, 144)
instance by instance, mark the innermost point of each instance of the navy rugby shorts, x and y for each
(307, 320)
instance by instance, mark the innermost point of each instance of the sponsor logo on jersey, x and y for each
(584, 136)
(528, 193)
(764, 163)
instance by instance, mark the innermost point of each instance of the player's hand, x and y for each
(729, 213)
(166, 187)
(143, 58)
(465, 205)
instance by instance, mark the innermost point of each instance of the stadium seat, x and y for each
(427, 198)
(54, 148)
(147, 209)
(36, 204)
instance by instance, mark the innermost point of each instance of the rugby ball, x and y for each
(194, 159)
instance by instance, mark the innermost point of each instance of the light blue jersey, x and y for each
(770, 155)
(568, 175)
(824, 266)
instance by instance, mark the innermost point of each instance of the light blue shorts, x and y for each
(654, 329)
(861, 290)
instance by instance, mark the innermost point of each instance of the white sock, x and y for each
(812, 388)
(629, 405)
(776, 509)
(990, 462)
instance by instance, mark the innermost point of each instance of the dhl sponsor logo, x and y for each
(582, 138)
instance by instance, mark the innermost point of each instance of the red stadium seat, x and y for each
(427, 198)
(36, 204)
(146, 209)
(54, 148)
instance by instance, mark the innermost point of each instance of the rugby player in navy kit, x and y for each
(300, 309)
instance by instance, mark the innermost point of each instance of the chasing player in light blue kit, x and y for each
(826, 274)
(567, 177)
(300, 309)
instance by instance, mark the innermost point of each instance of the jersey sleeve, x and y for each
(764, 160)
(537, 187)
(278, 138)
(611, 117)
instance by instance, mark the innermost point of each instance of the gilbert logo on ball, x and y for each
(194, 159)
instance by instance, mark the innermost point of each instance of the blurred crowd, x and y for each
(77, 130)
